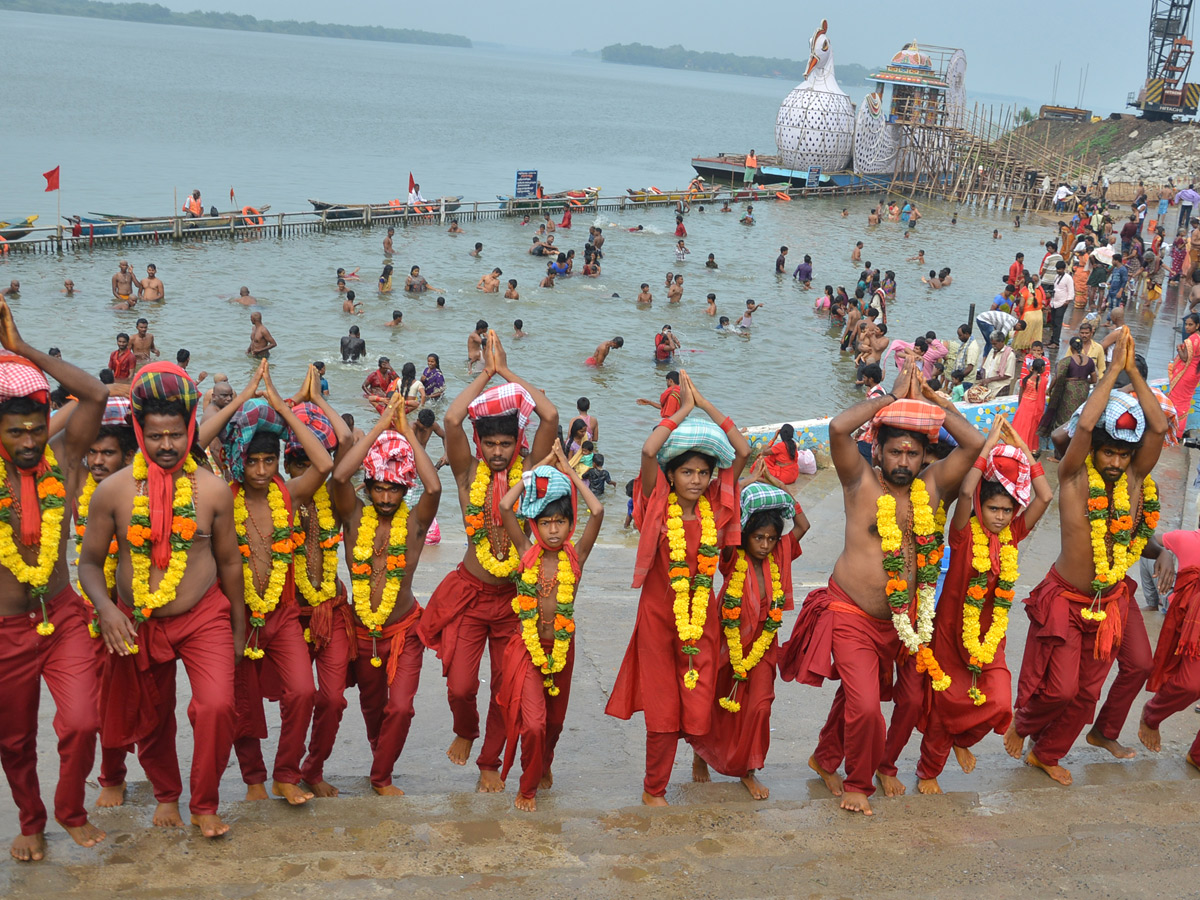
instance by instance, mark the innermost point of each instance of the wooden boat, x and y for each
(247, 215)
(559, 200)
(391, 208)
(92, 225)
(14, 231)
(654, 195)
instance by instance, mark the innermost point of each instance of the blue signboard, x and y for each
(814, 177)
(526, 185)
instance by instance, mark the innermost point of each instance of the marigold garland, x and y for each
(476, 520)
(1128, 539)
(110, 560)
(731, 615)
(690, 627)
(899, 598)
(282, 547)
(982, 651)
(183, 531)
(52, 506)
(526, 604)
(329, 535)
(360, 572)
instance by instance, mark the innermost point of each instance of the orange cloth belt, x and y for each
(396, 632)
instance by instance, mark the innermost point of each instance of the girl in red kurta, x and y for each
(741, 724)
(687, 486)
(1004, 492)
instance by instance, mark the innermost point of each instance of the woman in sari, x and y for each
(1032, 403)
(1184, 372)
(432, 378)
(1033, 302)
(1178, 256)
(1073, 380)
(1080, 275)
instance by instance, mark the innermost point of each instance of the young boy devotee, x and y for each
(686, 509)
(384, 540)
(43, 620)
(1001, 499)
(1108, 506)
(756, 592)
(879, 599)
(540, 657)
(473, 604)
(179, 595)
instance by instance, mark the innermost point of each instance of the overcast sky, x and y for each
(1012, 48)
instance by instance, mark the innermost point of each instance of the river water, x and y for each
(132, 112)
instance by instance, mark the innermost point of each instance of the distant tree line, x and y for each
(677, 57)
(160, 15)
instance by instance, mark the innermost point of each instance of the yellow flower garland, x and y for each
(282, 547)
(183, 530)
(526, 606)
(330, 536)
(110, 561)
(51, 503)
(360, 572)
(690, 627)
(1128, 538)
(475, 519)
(731, 614)
(982, 651)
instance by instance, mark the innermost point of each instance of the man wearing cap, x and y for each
(472, 606)
(1080, 611)
(42, 618)
(880, 594)
(384, 540)
(263, 512)
(179, 578)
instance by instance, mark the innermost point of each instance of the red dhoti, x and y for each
(138, 699)
(1066, 661)
(386, 691)
(463, 615)
(112, 759)
(1175, 678)
(1134, 663)
(331, 647)
(833, 638)
(284, 673)
(65, 660)
(530, 713)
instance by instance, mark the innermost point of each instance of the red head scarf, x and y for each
(21, 378)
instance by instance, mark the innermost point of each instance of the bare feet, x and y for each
(700, 770)
(1058, 773)
(1014, 744)
(1150, 737)
(856, 802)
(292, 793)
(892, 786)
(256, 792)
(85, 835)
(547, 781)
(832, 780)
(1120, 751)
(930, 785)
(210, 826)
(757, 789)
(651, 800)
(460, 751)
(966, 759)
(1187, 757)
(29, 847)
(489, 782)
(526, 804)
(111, 796)
(166, 815)
(388, 790)
(324, 789)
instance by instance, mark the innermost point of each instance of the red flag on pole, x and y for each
(231, 195)
(51, 179)
(411, 182)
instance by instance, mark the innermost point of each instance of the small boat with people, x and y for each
(17, 228)
(559, 200)
(697, 191)
(355, 211)
(100, 224)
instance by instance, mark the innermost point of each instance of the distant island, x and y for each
(156, 14)
(677, 57)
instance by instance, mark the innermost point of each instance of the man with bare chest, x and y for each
(261, 342)
(123, 281)
(151, 287)
(142, 345)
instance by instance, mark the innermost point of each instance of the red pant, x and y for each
(908, 698)
(66, 661)
(863, 652)
(1181, 690)
(937, 743)
(203, 639)
(660, 758)
(333, 664)
(541, 716)
(1134, 662)
(112, 759)
(291, 672)
(387, 708)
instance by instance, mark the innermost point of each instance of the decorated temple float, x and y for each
(916, 107)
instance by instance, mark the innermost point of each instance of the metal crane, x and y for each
(1167, 92)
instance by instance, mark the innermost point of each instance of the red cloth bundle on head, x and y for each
(504, 399)
(912, 415)
(21, 378)
(318, 423)
(391, 460)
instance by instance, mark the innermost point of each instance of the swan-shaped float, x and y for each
(815, 125)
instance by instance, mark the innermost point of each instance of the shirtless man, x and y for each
(13, 289)
(353, 346)
(512, 293)
(123, 282)
(150, 287)
(675, 291)
(490, 282)
(388, 250)
(645, 296)
(476, 251)
(872, 344)
(142, 345)
(68, 288)
(856, 253)
(261, 342)
(244, 297)
(601, 354)
(548, 281)
(475, 343)
(1071, 646)
(854, 614)
(454, 229)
